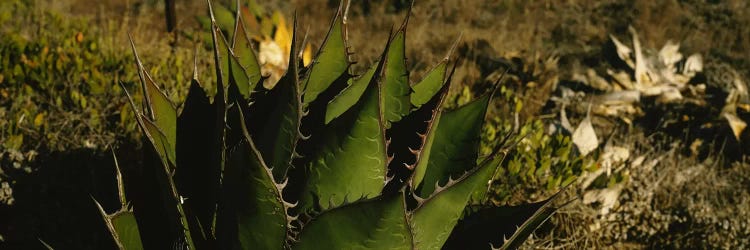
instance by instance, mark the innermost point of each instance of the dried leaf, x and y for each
(642, 76)
(693, 64)
(670, 54)
(621, 97)
(607, 198)
(585, 137)
(623, 51)
(612, 157)
(737, 124)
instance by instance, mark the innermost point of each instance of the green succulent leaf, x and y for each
(330, 63)
(379, 223)
(281, 132)
(224, 18)
(244, 57)
(122, 224)
(254, 199)
(123, 227)
(224, 60)
(434, 218)
(396, 88)
(429, 85)
(488, 224)
(453, 146)
(531, 224)
(351, 160)
(433, 81)
(481, 193)
(160, 109)
(410, 142)
(198, 152)
(349, 96)
(159, 141)
(239, 76)
(420, 168)
(163, 111)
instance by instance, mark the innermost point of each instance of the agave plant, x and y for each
(325, 159)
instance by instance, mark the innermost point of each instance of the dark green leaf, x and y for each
(198, 157)
(256, 209)
(224, 18)
(429, 85)
(159, 141)
(379, 223)
(330, 63)
(124, 228)
(350, 160)
(411, 139)
(160, 110)
(396, 88)
(246, 58)
(485, 225)
(453, 147)
(349, 96)
(532, 223)
(434, 218)
(281, 131)
(223, 59)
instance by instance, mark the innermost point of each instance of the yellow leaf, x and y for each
(39, 119)
(282, 37)
(307, 55)
(79, 37)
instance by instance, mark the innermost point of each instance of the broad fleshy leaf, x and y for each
(331, 61)
(159, 109)
(224, 59)
(159, 141)
(453, 147)
(245, 58)
(530, 225)
(487, 224)
(123, 227)
(396, 90)
(351, 159)
(122, 224)
(349, 96)
(411, 139)
(198, 157)
(433, 80)
(379, 223)
(255, 209)
(224, 18)
(281, 131)
(164, 114)
(434, 218)
(429, 85)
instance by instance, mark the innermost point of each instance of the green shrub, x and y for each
(540, 164)
(54, 83)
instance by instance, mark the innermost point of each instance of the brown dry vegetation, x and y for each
(680, 201)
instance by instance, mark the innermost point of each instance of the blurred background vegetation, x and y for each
(62, 110)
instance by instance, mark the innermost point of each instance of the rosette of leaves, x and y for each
(323, 160)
